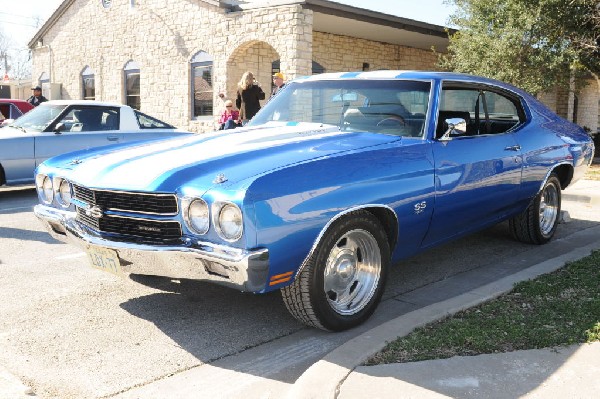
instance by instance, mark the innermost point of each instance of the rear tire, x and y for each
(342, 282)
(537, 224)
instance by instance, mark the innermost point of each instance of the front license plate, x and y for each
(105, 259)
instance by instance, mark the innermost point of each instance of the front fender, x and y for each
(294, 206)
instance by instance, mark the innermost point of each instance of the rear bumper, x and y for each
(233, 267)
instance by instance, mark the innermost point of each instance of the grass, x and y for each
(593, 172)
(556, 309)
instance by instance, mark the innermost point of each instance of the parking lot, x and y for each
(70, 331)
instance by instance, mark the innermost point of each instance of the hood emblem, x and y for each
(220, 178)
(75, 161)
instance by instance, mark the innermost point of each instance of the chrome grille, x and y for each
(145, 228)
(147, 205)
(156, 204)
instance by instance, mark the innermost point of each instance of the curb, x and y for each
(324, 378)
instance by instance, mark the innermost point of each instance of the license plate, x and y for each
(105, 259)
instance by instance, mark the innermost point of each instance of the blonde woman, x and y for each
(249, 95)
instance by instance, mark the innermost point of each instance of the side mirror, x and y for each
(59, 128)
(456, 127)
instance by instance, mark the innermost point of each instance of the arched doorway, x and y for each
(254, 56)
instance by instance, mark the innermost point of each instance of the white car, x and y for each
(57, 127)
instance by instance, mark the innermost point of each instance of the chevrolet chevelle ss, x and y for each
(336, 179)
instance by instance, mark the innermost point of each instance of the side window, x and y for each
(90, 119)
(88, 83)
(148, 122)
(132, 85)
(484, 111)
(502, 112)
(202, 69)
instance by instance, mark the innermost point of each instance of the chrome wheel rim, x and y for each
(548, 209)
(352, 272)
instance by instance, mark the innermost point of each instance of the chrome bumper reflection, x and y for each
(240, 269)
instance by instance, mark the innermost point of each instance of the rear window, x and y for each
(148, 122)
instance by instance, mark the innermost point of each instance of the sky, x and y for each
(18, 18)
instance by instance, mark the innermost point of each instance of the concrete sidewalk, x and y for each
(551, 373)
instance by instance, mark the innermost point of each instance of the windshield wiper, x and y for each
(21, 128)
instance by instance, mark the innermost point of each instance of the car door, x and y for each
(80, 127)
(478, 173)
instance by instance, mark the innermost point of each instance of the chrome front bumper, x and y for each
(240, 269)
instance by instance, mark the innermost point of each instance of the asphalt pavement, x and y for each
(569, 372)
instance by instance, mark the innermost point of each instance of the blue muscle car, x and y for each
(337, 178)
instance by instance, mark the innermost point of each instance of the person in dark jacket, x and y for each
(248, 99)
(37, 97)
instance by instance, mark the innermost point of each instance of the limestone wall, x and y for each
(342, 53)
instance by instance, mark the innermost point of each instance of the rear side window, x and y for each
(148, 122)
(486, 111)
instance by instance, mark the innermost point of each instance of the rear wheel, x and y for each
(537, 224)
(343, 280)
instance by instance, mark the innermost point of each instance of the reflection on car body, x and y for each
(56, 127)
(337, 178)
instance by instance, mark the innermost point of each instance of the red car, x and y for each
(11, 109)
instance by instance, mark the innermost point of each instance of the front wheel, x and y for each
(342, 282)
(537, 224)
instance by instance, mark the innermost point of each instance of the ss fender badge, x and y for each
(420, 207)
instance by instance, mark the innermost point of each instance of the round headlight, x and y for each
(64, 194)
(230, 222)
(45, 189)
(198, 216)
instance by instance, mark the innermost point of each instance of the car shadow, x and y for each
(211, 321)
(28, 235)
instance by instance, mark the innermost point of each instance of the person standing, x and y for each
(278, 82)
(37, 98)
(248, 98)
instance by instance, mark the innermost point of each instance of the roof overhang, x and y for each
(341, 19)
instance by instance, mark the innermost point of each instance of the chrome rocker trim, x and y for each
(236, 268)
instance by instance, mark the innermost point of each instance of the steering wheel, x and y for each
(392, 121)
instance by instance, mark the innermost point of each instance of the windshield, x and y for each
(39, 118)
(396, 107)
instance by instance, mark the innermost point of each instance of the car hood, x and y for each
(201, 160)
(9, 132)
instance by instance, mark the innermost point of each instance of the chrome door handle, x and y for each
(112, 138)
(513, 148)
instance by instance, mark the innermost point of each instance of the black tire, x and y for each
(537, 224)
(342, 282)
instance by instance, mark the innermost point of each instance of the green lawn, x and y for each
(556, 309)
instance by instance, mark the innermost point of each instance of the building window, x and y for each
(132, 85)
(44, 78)
(88, 84)
(202, 66)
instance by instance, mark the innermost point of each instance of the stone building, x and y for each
(173, 59)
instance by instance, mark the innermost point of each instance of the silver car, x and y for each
(57, 127)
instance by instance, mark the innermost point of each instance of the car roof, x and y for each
(22, 105)
(416, 75)
(86, 102)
